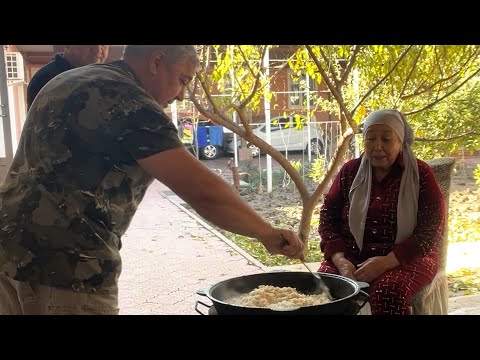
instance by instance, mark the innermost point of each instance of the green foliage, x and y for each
(423, 75)
(257, 178)
(317, 170)
(425, 82)
(258, 251)
(436, 86)
(459, 114)
(297, 165)
(476, 175)
(428, 83)
(233, 73)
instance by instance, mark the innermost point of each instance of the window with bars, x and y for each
(297, 90)
(14, 66)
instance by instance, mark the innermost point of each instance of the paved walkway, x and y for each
(168, 254)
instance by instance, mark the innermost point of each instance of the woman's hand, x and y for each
(283, 242)
(372, 268)
(344, 266)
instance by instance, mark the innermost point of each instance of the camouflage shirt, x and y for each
(74, 184)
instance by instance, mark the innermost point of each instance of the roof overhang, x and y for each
(42, 54)
(35, 48)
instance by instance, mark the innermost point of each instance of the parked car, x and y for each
(287, 133)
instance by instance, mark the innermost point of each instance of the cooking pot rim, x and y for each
(356, 286)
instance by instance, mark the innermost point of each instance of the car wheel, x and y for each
(210, 152)
(316, 147)
(255, 149)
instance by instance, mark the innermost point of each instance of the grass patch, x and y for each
(258, 251)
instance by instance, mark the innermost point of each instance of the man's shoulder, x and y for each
(53, 68)
(113, 84)
(100, 75)
(42, 73)
(99, 86)
(106, 81)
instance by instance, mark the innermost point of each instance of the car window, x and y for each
(274, 125)
(281, 121)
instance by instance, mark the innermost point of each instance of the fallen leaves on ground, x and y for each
(465, 281)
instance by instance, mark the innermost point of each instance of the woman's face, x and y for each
(382, 146)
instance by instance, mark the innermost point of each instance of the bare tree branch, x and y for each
(248, 135)
(350, 64)
(443, 97)
(256, 85)
(306, 220)
(381, 80)
(437, 60)
(218, 118)
(474, 133)
(334, 92)
(409, 76)
(421, 90)
(331, 67)
(206, 90)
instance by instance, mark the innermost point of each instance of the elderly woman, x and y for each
(383, 217)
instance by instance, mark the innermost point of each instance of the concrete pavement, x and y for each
(169, 253)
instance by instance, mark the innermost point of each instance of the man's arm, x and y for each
(215, 200)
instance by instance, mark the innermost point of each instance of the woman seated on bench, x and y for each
(383, 217)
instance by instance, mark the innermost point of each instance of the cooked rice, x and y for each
(266, 296)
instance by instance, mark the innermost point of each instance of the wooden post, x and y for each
(235, 174)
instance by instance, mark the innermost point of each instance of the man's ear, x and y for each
(156, 60)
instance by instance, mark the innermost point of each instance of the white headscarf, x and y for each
(360, 190)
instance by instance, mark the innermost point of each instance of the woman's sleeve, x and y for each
(331, 240)
(430, 219)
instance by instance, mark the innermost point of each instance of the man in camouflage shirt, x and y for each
(94, 140)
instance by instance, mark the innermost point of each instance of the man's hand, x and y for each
(283, 242)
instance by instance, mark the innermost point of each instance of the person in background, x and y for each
(383, 218)
(94, 140)
(73, 56)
